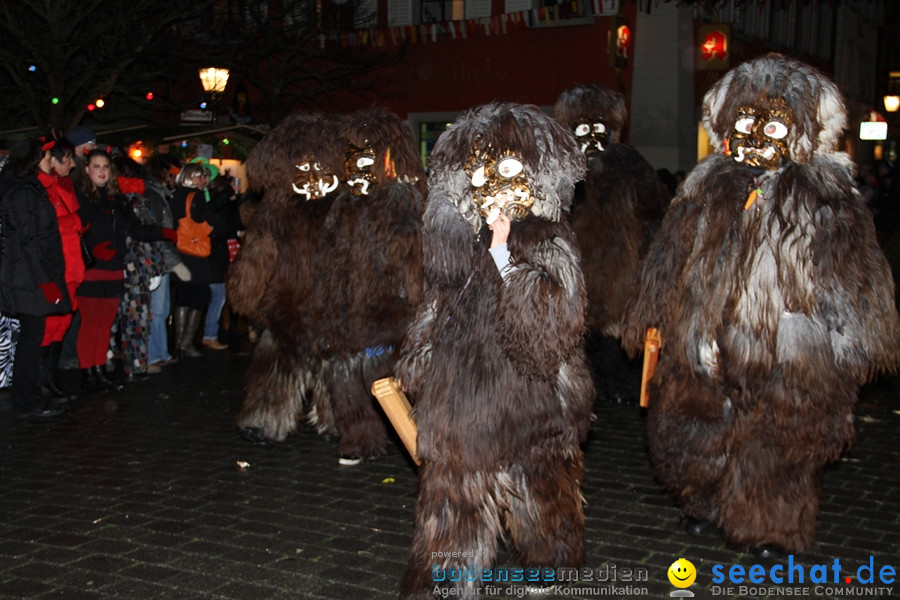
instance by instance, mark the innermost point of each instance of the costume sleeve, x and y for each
(447, 263)
(651, 303)
(540, 313)
(402, 206)
(856, 297)
(415, 355)
(446, 244)
(247, 278)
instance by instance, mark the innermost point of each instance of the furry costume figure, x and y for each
(375, 272)
(274, 280)
(495, 364)
(332, 272)
(774, 303)
(616, 211)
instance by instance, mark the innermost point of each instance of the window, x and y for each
(437, 11)
(539, 13)
(331, 14)
(556, 13)
(400, 13)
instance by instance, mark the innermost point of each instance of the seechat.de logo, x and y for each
(795, 579)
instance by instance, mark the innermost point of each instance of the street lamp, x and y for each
(892, 98)
(214, 81)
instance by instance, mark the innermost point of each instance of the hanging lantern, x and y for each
(213, 80)
(891, 103)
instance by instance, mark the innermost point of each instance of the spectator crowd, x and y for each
(92, 269)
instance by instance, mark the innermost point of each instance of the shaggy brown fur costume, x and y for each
(616, 211)
(274, 280)
(376, 270)
(496, 366)
(771, 316)
(334, 280)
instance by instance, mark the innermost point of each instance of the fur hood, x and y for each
(819, 112)
(550, 155)
(590, 101)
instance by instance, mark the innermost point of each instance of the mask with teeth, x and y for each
(759, 138)
(313, 181)
(499, 184)
(358, 171)
(591, 135)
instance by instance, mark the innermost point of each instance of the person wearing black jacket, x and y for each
(191, 296)
(223, 200)
(109, 223)
(32, 270)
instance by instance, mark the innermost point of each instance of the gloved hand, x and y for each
(170, 234)
(182, 272)
(51, 292)
(103, 251)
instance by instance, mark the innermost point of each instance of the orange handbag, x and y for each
(193, 237)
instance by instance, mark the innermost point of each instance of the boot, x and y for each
(89, 381)
(43, 367)
(103, 380)
(53, 369)
(179, 317)
(52, 395)
(191, 326)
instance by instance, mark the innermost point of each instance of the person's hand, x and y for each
(170, 234)
(500, 227)
(51, 292)
(182, 272)
(103, 251)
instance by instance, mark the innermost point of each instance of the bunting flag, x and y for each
(500, 24)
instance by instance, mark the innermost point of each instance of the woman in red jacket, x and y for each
(109, 223)
(54, 176)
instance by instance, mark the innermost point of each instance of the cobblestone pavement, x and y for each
(140, 495)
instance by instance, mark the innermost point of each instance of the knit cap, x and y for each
(80, 135)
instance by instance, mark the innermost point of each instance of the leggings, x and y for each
(97, 315)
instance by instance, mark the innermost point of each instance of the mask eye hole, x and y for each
(304, 167)
(364, 161)
(582, 129)
(599, 128)
(478, 178)
(744, 125)
(776, 130)
(509, 167)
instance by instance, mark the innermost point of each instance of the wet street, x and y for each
(150, 493)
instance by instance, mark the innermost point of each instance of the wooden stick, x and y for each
(652, 341)
(397, 408)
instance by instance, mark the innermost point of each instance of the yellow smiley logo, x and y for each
(682, 573)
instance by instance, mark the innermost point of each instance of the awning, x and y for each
(180, 139)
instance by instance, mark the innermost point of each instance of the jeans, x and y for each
(214, 311)
(158, 345)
